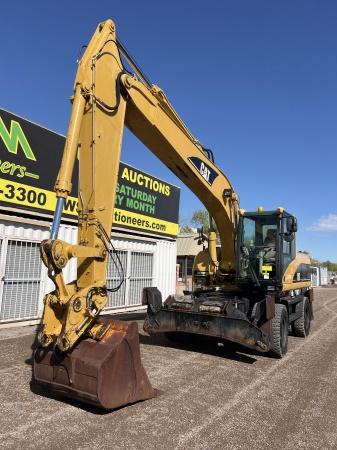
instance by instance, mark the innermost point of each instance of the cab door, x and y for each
(288, 242)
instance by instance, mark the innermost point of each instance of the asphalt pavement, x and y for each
(211, 397)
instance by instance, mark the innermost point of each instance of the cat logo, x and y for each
(205, 171)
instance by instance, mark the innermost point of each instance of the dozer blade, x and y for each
(107, 373)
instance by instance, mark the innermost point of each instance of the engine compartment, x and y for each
(211, 301)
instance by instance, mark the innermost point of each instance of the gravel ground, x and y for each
(210, 397)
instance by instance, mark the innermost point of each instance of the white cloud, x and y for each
(325, 223)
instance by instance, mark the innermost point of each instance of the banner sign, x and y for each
(30, 157)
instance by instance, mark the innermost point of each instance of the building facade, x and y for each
(319, 276)
(187, 249)
(145, 225)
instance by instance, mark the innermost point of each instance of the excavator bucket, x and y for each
(107, 373)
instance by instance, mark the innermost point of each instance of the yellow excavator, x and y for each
(248, 290)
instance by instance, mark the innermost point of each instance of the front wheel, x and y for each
(280, 325)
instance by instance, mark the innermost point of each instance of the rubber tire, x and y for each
(301, 326)
(280, 325)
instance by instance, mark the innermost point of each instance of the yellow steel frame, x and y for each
(105, 99)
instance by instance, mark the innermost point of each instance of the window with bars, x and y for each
(140, 275)
(21, 278)
(113, 279)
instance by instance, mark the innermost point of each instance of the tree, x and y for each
(200, 219)
(315, 262)
(185, 229)
(331, 266)
(185, 225)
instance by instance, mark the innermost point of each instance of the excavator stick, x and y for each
(107, 373)
(80, 355)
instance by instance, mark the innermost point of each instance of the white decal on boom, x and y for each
(205, 172)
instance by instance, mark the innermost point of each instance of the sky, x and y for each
(254, 80)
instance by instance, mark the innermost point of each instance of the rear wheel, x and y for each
(280, 325)
(301, 326)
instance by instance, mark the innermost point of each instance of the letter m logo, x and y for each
(15, 137)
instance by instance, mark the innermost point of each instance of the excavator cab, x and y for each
(266, 246)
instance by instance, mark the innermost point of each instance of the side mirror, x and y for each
(291, 225)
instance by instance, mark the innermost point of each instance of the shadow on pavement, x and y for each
(44, 392)
(33, 347)
(202, 344)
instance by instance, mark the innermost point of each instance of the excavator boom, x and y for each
(74, 343)
(105, 99)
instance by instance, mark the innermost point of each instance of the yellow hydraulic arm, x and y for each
(106, 98)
